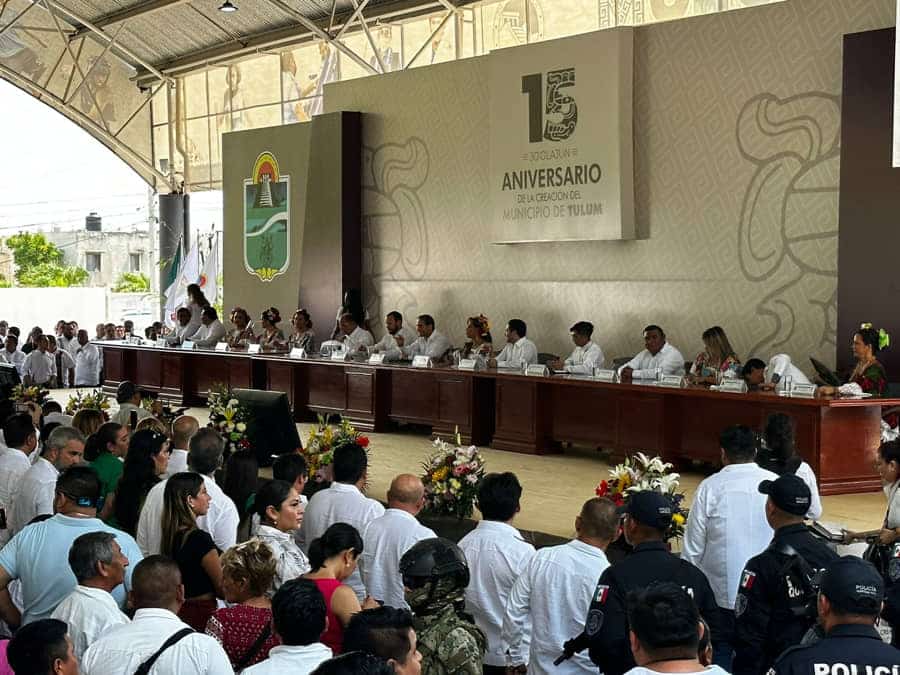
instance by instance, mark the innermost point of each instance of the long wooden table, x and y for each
(538, 415)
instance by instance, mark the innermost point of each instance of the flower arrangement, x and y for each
(228, 417)
(639, 473)
(23, 394)
(94, 400)
(321, 444)
(451, 476)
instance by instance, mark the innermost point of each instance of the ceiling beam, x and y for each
(134, 11)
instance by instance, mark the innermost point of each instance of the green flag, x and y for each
(174, 267)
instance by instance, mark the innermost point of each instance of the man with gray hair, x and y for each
(90, 610)
(64, 448)
(221, 521)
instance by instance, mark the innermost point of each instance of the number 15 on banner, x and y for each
(556, 119)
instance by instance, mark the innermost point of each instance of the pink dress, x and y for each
(5, 668)
(334, 635)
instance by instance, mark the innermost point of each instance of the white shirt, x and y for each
(291, 659)
(209, 336)
(14, 464)
(68, 344)
(62, 364)
(388, 344)
(290, 561)
(709, 670)
(123, 414)
(124, 648)
(583, 360)
(35, 496)
(554, 593)
(360, 337)
(434, 346)
(727, 526)
(221, 521)
(178, 335)
(805, 472)
(190, 331)
(41, 366)
(644, 365)
(385, 541)
(892, 492)
(177, 462)
(781, 365)
(340, 503)
(89, 613)
(497, 556)
(16, 358)
(87, 365)
(515, 354)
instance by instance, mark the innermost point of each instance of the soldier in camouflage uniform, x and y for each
(435, 576)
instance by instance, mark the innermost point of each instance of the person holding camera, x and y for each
(776, 600)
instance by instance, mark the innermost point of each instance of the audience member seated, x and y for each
(388, 633)
(156, 632)
(272, 337)
(519, 351)
(185, 499)
(88, 421)
(205, 457)
(90, 610)
(20, 437)
(775, 599)
(395, 339)
(130, 412)
(648, 517)
(479, 342)
(87, 361)
(333, 558)
(431, 342)
(658, 355)
(197, 302)
(587, 355)
(849, 601)
(351, 304)
(11, 353)
(717, 360)
(211, 331)
(183, 429)
(155, 425)
(176, 337)
(280, 514)
(343, 502)
(387, 538)
(145, 463)
(52, 412)
(298, 617)
(36, 492)
(770, 377)
(242, 333)
(868, 375)
(39, 369)
(302, 336)
(355, 337)
(244, 627)
(106, 449)
(550, 599)
(290, 467)
(779, 456)
(497, 555)
(33, 556)
(42, 648)
(240, 485)
(354, 663)
(664, 631)
(727, 526)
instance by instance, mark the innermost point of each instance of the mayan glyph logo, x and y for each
(267, 219)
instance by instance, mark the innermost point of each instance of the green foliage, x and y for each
(4, 282)
(132, 282)
(51, 274)
(40, 263)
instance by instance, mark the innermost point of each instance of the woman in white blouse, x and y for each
(280, 513)
(196, 302)
(780, 456)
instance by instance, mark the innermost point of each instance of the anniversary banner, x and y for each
(561, 139)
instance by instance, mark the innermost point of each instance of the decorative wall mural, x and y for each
(787, 236)
(267, 219)
(515, 24)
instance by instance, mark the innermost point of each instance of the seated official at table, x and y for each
(869, 374)
(658, 354)
(242, 333)
(211, 329)
(717, 358)
(397, 337)
(478, 338)
(586, 356)
(176, 337)
(355, 337)
(272, 338)
(302, 336)
(764, 377)
(519, 351)
(430, 343)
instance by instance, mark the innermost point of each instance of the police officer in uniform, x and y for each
(775, 604)
(648, 516)
(850, 597)
(435, 575)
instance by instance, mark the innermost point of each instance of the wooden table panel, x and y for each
(849, 443)
(414, 396)
(583, 415)
(280, 377)
(520, 416)
(327, 387)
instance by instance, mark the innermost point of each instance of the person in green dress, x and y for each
(869, 374)
(110, 442)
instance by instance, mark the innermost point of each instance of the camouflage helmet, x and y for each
(436, 559)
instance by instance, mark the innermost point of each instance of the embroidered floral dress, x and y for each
(873, 379)
(237, 628)
(705, 367)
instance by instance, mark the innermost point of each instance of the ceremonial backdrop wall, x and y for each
(736, 167)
